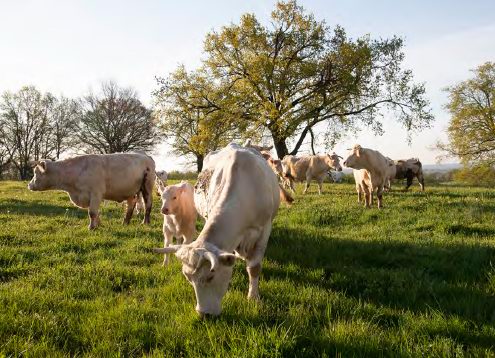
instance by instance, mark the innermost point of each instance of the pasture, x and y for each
(414, 279)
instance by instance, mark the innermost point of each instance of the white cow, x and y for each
(308, 168)
(90, 179)
(239, 195)
(179, 214)
(373, 172)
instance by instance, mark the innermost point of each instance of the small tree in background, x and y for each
(471, 129)
(115, 120)
(191, 111)
(28, 119)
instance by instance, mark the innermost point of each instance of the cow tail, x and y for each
(285, 196)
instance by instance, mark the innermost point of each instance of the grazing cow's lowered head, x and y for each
(43, 178)
(355, 159)
(171, 196)
(208, 269)
(333, 161)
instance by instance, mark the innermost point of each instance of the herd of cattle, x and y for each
(238, 220)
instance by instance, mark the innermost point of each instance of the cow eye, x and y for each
(175, 197)
(209, 278)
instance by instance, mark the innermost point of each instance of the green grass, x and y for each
(414, 279)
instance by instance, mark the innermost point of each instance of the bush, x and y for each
(478, 175)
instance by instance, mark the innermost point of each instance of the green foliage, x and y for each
(472, 125)
(479, 175)
(414, 279)
(295, 73)
(189, 107)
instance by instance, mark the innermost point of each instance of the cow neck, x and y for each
(219, 231)
(370, 168)
(64, 178)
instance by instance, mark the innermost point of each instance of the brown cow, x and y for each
(89, 179)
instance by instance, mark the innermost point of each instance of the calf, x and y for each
(179, 214)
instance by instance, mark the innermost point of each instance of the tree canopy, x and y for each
(471, 130)
(190, 107)
(115, 120)
(295, 73)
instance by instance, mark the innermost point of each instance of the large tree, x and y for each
(190, 107)
(471, 130)
(115, 120)
(296, 73)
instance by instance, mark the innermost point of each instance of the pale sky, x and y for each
(69, 46)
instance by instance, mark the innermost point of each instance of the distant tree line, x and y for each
(36, 125)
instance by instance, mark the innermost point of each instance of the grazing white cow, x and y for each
(179, 214)
(373, 173)
(313, 167)
(239, 195)
(89, 179)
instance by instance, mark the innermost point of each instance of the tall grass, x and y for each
(414, 279)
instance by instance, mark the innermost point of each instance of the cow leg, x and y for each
(148, 201)
(253, 262)
(379, 195)
(167, 240)
(320, 185)
(131, 204)
(421, 181)
(291, 184)
(409, 182)
(308, 182)
(93, 212)
(367, 196)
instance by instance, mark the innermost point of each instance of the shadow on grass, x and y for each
(20, 207)
(450, 279)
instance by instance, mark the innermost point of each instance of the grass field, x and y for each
(414, 279)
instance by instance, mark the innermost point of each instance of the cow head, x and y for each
(334, 162)
(208, 269)
(43, 178)
(171, 196)
(355, 158)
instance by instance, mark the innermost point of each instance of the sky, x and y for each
(69, 46)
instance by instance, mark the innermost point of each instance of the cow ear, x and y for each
(226, 259)
(42, 165)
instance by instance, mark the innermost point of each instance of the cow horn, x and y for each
(167, 250)
(210, 256)
(340, 157)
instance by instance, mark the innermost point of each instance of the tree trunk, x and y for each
(199, 162)
(312, 141)
(280, 147)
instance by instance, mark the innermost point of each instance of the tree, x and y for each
(33, 126)
(23, 127)
(63, 121)
(471, 131)
(295, 74)
(115, 120)
(190, 108)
